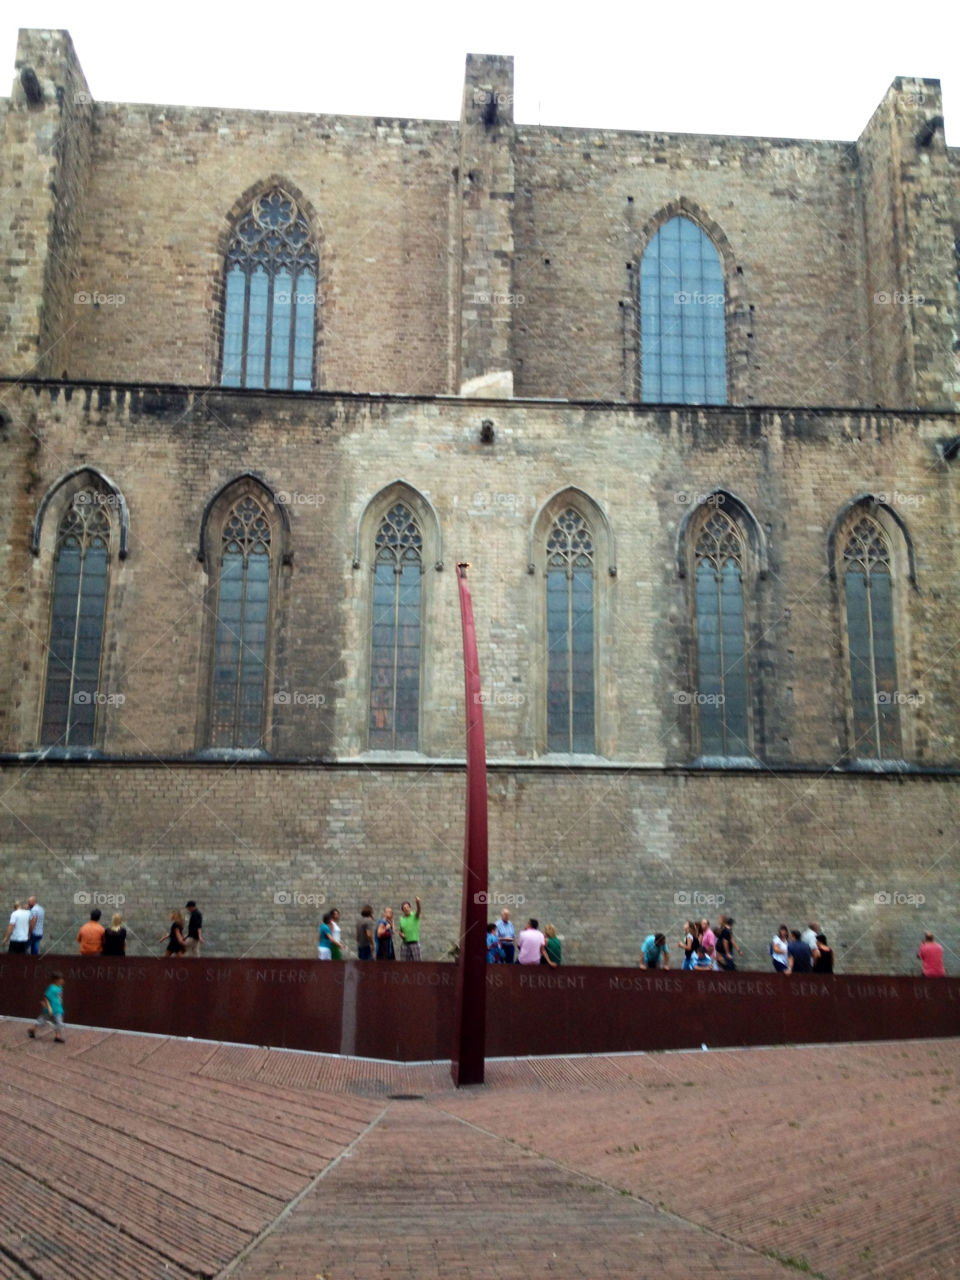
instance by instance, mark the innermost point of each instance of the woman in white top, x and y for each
(778, 949)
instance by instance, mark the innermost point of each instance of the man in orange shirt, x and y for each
(91, 934)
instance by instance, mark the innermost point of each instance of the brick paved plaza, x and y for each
(141, 1157)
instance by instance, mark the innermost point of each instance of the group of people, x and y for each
(530, 946)
(806, 951)
(701, 947)
(182, 938)
(25, 930)
(374, 941)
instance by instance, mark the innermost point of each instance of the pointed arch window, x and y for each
(242, 622)
(868, 591)
(396, 641)
(570, 627)
(270, 296)
(72, 697)
(722, 685)
(682, 318)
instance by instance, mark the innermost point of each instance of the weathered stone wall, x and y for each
(607, 858)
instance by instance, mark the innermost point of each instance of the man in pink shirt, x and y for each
(530, 942)
(708, 938)
(931, 957)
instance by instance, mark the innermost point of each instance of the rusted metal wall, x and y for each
(404, 1012)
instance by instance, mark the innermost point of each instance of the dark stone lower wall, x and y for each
(404, 1012)
(605, 855)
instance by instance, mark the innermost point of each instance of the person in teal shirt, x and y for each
(410, 931)
(551, 951)
(51, 1010)
(654, 954)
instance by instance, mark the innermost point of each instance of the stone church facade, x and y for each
(687, 405)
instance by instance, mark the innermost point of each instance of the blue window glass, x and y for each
(243, 611)
(570, 661)
(73, 697)
(682, 326)
(721, 696)
(270, 298)
(395, 656)
(870, 642)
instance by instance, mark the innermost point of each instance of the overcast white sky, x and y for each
(808, 71)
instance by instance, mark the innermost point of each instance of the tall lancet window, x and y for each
(683, 350)
(722, 686)
(76, 623)
(570, 674)
(240, 645)
(868, 588)
(395, 661)
(271, 291)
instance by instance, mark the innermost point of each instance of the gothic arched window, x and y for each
(721, 685)
(242, 626)
(395, 659)
(570, 676)
(683, 351)
(270, 297)
(80, 577)
(868, 593)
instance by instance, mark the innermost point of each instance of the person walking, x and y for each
(51, 1010)
(37, 917)
(325, 939)
(175, 940)
(194, 930)
(654, 954)
(799, 955)
(689, 945)
(336, 945)
(708, 938)
(410, 931)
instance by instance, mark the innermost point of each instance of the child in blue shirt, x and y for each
(493, 945)
(51, 1010)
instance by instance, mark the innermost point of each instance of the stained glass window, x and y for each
(682, 328)
(73, 695)
(270, 298)
(721, 697)
(570, 676)
(240, 644)
(395, 663)
(870, 641)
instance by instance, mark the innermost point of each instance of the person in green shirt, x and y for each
(410, 931)
(51, 1009)
(551, 950)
